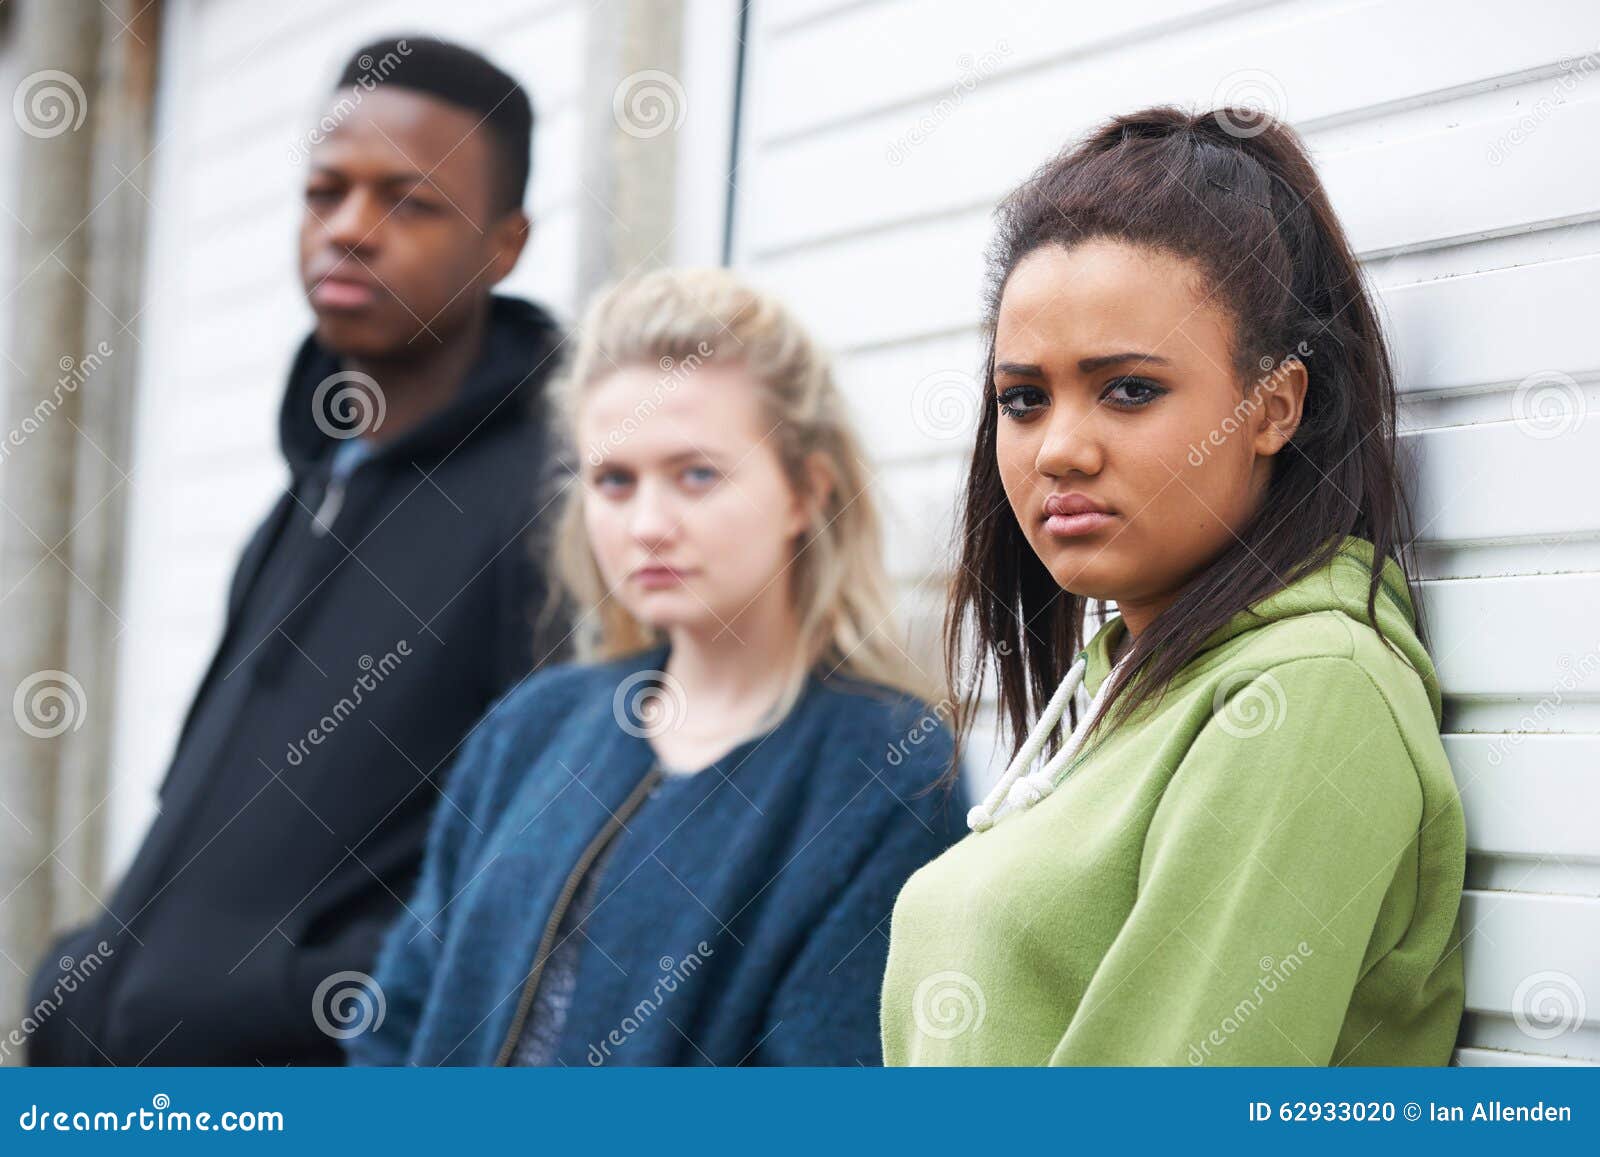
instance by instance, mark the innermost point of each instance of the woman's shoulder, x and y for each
(897, 736)
(556, 695)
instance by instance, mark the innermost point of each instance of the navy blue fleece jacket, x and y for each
(741, 913)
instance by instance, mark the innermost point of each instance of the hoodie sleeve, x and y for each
(1261, 881)
(413, 943)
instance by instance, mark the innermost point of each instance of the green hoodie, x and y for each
(1264, 868)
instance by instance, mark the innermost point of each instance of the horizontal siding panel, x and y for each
(1509, 478)
(938, 159)
(1530, 795)
(1497, 326)
(924, 50)
(1489, 643)
(1501, 1058)
(1532, 957)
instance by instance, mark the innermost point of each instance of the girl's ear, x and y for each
(1280, 402)
(820, 483)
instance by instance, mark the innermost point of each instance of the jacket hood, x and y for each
(1341, 585)
(502, 385)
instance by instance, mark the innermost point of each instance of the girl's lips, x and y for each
(1077, 525)
(658, 577)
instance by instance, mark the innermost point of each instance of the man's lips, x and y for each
(343, 293)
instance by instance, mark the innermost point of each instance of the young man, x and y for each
(389, 597)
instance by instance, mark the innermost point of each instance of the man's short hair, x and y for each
(460, 77)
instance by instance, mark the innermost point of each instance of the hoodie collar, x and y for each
(1340, 585)
(503, 385)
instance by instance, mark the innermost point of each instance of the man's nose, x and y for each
(354, 221)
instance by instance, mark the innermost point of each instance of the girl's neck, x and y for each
(731, 674)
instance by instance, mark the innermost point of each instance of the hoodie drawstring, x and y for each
(1015, 791)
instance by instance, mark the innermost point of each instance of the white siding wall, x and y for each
(241, 83)
(1458, 144)
(10, 275)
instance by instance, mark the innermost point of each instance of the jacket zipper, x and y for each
(531, 986)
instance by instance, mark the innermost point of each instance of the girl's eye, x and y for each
(700, 476)
(1132, 393)
(610, 479)
(1008, 401)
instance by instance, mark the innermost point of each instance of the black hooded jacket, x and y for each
(353, 662)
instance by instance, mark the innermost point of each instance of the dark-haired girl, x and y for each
(1248, 847)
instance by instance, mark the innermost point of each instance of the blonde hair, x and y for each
(675, 321)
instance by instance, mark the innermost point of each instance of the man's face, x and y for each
(402, 236)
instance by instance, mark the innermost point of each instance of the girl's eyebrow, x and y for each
(1090, 365)
(1085, 365)
(1018, 369)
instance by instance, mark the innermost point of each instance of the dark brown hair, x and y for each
(1234, 192)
